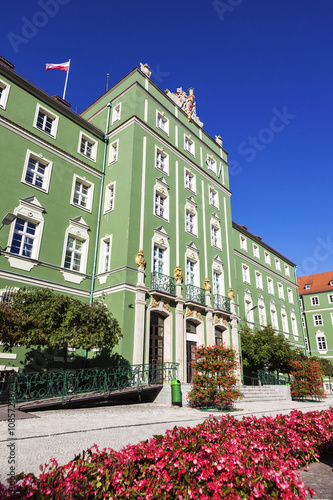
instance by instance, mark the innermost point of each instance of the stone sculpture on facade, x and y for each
(186, 103)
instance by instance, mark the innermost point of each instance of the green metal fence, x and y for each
(34, 386)
(270, 378)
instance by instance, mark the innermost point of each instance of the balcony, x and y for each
(163, 283)
(195, 294)
(221, 302)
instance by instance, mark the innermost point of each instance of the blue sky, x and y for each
(263, 78)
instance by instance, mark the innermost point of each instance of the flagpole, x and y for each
(63, 96)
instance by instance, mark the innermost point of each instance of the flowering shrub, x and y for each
(214, 380)
(220, 458)
(306, 379)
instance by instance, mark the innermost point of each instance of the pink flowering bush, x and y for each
(214, 378)
(307, 379)
(220, 458)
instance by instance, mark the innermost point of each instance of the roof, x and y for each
(318, 283)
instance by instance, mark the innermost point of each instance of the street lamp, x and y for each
(8, 219)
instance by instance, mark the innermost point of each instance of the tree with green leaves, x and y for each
(17, 328)
(62, 321)
(264, 349)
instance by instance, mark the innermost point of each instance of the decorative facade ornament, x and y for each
(145, 69)
(198, 315)
(140, 260)
(231, 294)
(166, 306)
(225, 322)
(189, 312)
(186, 103)
(207, 285)
(178, 274)
(218, 139)
(217, 320)
(154, 303)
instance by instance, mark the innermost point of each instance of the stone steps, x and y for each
(266, 393)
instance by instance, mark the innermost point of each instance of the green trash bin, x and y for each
(176, 393)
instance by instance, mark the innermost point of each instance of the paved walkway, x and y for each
(65, 432)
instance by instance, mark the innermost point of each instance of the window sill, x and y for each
(82, 208)
(42, 190)
(162, 218)
(46, 133)
(164, 131)
(91, 158)
(72, 276)
(192, 234)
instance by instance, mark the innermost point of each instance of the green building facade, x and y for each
(128, 202)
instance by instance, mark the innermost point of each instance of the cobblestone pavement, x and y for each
(63, 433)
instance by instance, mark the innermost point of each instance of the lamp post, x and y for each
(6, 221)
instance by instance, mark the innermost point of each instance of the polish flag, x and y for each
(62, 66)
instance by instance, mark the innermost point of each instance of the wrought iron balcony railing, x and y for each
(163, 283)
(221, 302)
(195, 294)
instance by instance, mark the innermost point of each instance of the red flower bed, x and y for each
(307, 379)
(220, 458)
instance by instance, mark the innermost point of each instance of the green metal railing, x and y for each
(270, 378)
(221, 302)
(195, 294)
(44, 385)
(163, 283)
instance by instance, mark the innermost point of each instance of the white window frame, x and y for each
(315, 301)
(211, 163)
(280, 291)
(321, 342)
(294, 328)
(256, 251)
(160, 239)
(105, 254)
(249, 312)
(267, 258)
(318, 320)
(191, 256)
(52, 116)
(30, 210)
(285, 325)
(45, 163)
(189, 145)
(330, 299)
(213, 197)
(159, 152)
(116, 112)
(215, 230)
(270, 286)
(191, 227)
(259, 282)
(161, 192)
(290, 296)
(110, 193)
(90, 195)
(286, 270)
(262, 312)
(84, 137)
(77, 229)
(113, 151)
(189, 174)
(5, 94)
(246, 274)
(161, 118)
(243, 243)
(274, 317)
(332, 318)
(277, 264)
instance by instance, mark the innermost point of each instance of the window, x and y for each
(331, 282)
(317, 320)
(161, 160)
(255, 251)
(73, 254)
(37, 171)
(161, 199)
(321, 341)
(259, 280)
(290, 296)
(216, 283)
(274, 318)
(109, 197)
(191, 223)
(215, 231)
(262, 313)
(332, 318)
(303, 321)
(246, 273)
(267, 258)
(243, 243)
(211, 164)
(249, 311)
(307, 287)
(330, 299)
(285, 326)
(294, 328)
(280, 291)
(190, 272)
(4, 93)
(286, 270)
(23, 238)
(315, 301)
(270, 286)
(46, 121)
(277, 264)
(162, 122)
(105, 255)
(190, 181)
(113, 154)
(158, 261)
(116, 112)
(213, 197)
(82, 193)
(87, 146)
(189, 145)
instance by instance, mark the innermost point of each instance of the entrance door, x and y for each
(156, 348)
(190, 349)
